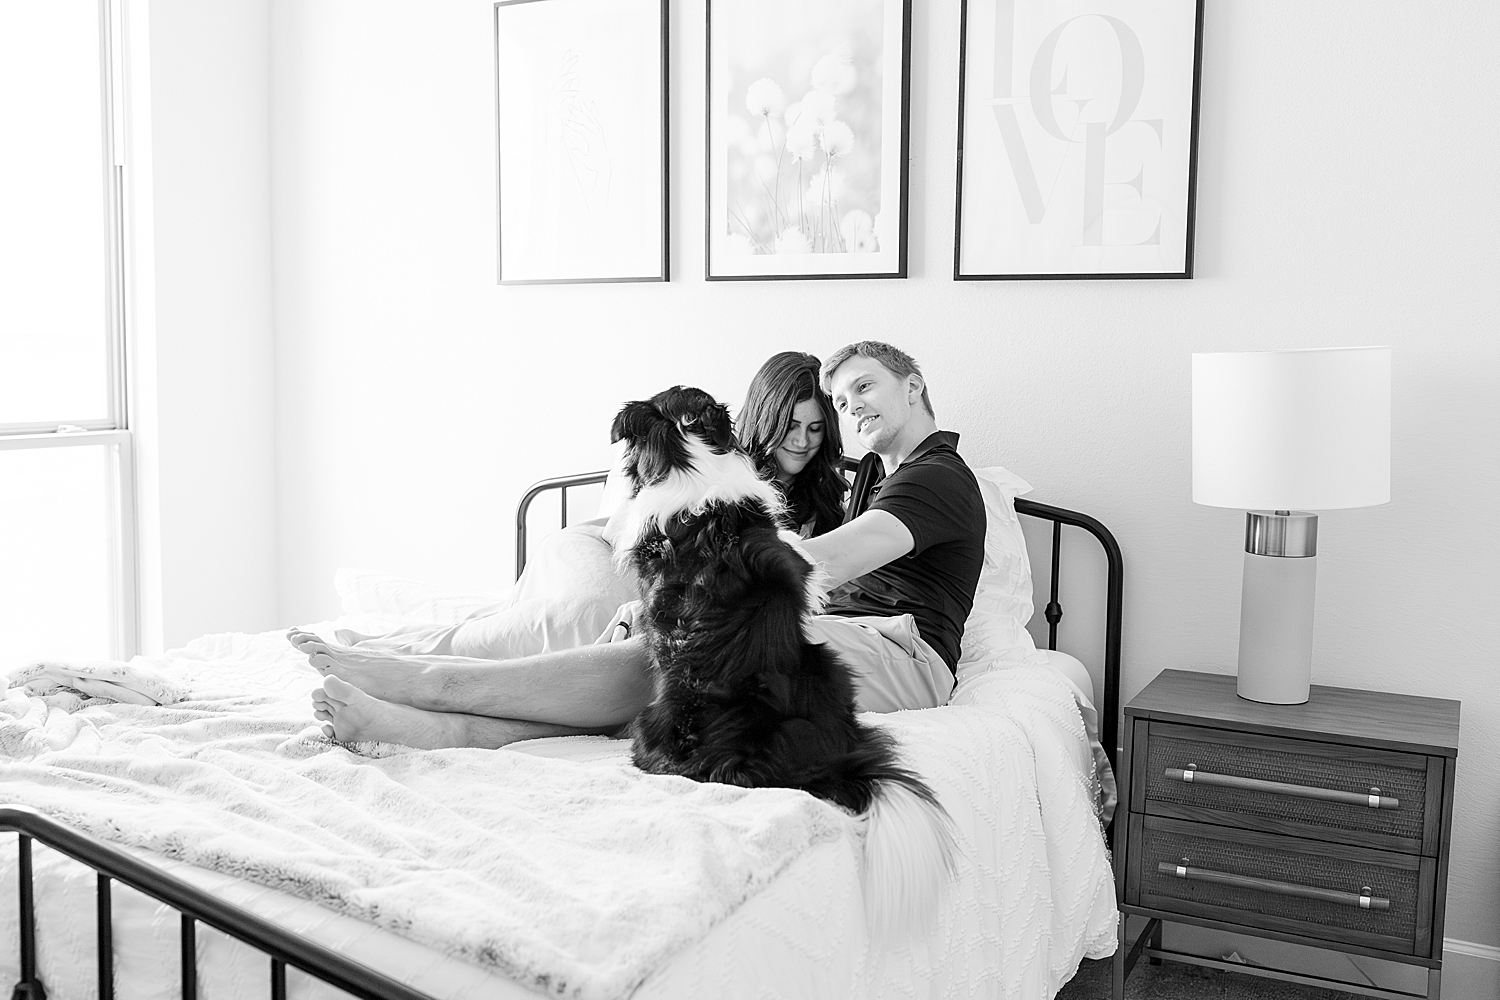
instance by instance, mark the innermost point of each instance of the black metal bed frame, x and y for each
(284, 948)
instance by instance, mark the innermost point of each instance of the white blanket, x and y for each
(578, 880)
(580, 876)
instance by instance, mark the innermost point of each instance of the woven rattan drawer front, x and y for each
(1293, 866)
(1173, 749)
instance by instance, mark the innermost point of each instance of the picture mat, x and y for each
(887, 261)
(997, 235)
(582, 216)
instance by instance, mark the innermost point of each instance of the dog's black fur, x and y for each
(741, 696)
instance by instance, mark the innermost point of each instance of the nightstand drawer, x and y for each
(1325, 791)
(1315, 890)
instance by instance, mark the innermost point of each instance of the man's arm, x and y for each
(868, 542)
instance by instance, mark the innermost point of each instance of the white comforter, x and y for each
(559, 866)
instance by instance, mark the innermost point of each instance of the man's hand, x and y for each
(866, 543)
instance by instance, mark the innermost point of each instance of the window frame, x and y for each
(114, 428)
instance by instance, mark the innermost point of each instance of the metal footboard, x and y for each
(1053, 611)
(282, 947)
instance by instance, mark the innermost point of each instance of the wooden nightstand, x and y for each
(1324, 824)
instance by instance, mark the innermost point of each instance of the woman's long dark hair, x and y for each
(817, 492)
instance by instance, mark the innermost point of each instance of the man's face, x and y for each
(874, 403)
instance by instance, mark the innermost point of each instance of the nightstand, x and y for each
(1324, 824)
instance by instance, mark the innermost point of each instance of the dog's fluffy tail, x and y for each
(909, 860)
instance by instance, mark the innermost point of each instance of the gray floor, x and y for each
(1175, 981)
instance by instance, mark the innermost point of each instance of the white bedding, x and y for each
(1009, 759)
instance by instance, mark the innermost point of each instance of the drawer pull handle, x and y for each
(1362, 899)
(1192, 776)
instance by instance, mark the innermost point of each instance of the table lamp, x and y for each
(1279, 431)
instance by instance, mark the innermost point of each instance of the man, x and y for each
(904, 564)
(912, 543)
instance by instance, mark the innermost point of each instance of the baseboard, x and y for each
(1469, 948)
(1470, 971)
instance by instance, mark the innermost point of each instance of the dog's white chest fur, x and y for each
(709, 478)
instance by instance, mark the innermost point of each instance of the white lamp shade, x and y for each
(1292, 430)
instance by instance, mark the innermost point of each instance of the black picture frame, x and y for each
(839, 243)
(1011, 247)
(615, 250)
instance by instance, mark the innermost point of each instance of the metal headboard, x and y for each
(1052, 612)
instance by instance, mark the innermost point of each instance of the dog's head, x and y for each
(681, 457)
(657, 432)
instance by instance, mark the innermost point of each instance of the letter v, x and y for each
(1020, 162)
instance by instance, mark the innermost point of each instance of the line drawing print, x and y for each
(584, 137)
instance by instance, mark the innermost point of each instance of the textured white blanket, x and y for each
(576, 879)
(615, 872)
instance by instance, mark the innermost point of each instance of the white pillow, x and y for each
(995, 634)
(616, 486)
(566, 597)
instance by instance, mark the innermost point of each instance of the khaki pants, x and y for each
(894, 667)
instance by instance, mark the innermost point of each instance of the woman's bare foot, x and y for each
(351, 716)
(349, 637)
(385, 676)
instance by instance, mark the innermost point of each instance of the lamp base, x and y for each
(1276, 628)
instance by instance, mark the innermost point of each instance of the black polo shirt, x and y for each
(937, 497)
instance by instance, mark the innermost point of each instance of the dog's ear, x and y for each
(633, 421)
(633, 425)
(710, 420)
(716, 427)
(697, 412)
(655, 444)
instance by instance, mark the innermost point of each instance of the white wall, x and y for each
(1346, 196)
(202, 398)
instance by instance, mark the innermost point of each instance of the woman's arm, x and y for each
(866, 543)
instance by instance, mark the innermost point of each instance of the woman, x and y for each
(791, 432)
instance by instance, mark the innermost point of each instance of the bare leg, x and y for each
(589, 687)
(350, 715)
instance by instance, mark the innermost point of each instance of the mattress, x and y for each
(1034, 893)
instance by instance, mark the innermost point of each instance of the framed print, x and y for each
(1077, 138)
(581, 103)
(807, 138)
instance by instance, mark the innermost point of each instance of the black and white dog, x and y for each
(741, 696)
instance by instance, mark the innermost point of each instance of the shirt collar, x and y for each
(936, 439)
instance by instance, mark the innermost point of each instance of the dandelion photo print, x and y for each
(807, 138)
(580, 89)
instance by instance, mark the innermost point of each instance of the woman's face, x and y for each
(803, 439)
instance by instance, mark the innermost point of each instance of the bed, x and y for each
(291, 867)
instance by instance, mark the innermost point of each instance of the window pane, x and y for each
(57, 553)
(53, 262)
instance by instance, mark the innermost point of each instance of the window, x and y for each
(67, 520)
